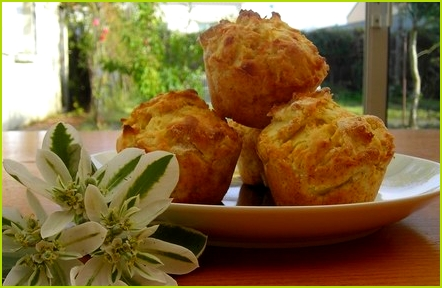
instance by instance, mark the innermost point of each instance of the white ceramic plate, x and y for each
(409, 184)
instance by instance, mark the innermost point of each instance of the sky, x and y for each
(299, 15)
(305, 15)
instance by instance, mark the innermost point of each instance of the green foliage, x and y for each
(343, 50)
(130, 55)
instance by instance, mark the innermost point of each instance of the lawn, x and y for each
(428, 116)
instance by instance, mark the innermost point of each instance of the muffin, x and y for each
(249, 164)
(206, 147)
(255, 63)
(316, 153)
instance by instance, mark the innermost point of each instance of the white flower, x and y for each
(129, 254)
(104, 215)
(45, 261)
(67, 174)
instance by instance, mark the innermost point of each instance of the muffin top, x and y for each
(260, 46)
(206, 147)
(178, 122)
(322, 143)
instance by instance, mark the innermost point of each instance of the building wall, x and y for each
(357, 14)
(31, 62)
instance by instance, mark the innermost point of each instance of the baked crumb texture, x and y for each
(206, 147)
(315, 152)
(255, 63)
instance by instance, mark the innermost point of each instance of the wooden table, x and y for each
(403, 253)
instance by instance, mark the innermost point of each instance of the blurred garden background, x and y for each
(121, 54)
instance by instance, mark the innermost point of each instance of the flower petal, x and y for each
(148, 231)
(60, 271)
(99, 159)
(166, 182)
(11, 214)
(118, 170)
(154, 178)
(52, 167)
(150, 273)
(146, 215)
(20, 173)
(176, 259)
(84, 165)
(36, 206)
(138, 280)
(18, 276)
(95, 272)
(10, 245)
(83, 239)
(56, 222)
(94, 203)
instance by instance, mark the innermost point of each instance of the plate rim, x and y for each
(206, 218)
(430, 193)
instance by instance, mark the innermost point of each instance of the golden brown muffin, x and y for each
(316, 152)
(206, 147)
(249, 164)
(254, 63)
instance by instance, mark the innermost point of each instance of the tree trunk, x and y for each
(415, 76)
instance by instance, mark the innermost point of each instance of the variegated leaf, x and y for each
(36, 206)
(64, 140)
(162, 279)
(176, 259)
(94, 203)
(52, 167)
(118, 170)
(154, 178)
(83, 238)
(18, 276)
(20, 173)
(85, 168)
(56, 222)
(95, 272)
(149, 213)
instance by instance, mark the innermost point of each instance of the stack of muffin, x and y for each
(283, 131)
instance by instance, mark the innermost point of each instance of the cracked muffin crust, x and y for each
(255, 63)
(206, 147)
(315, 152)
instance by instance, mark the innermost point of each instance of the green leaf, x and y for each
(60, 142)
(63, 140)
(9, 260)
(189, 238)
